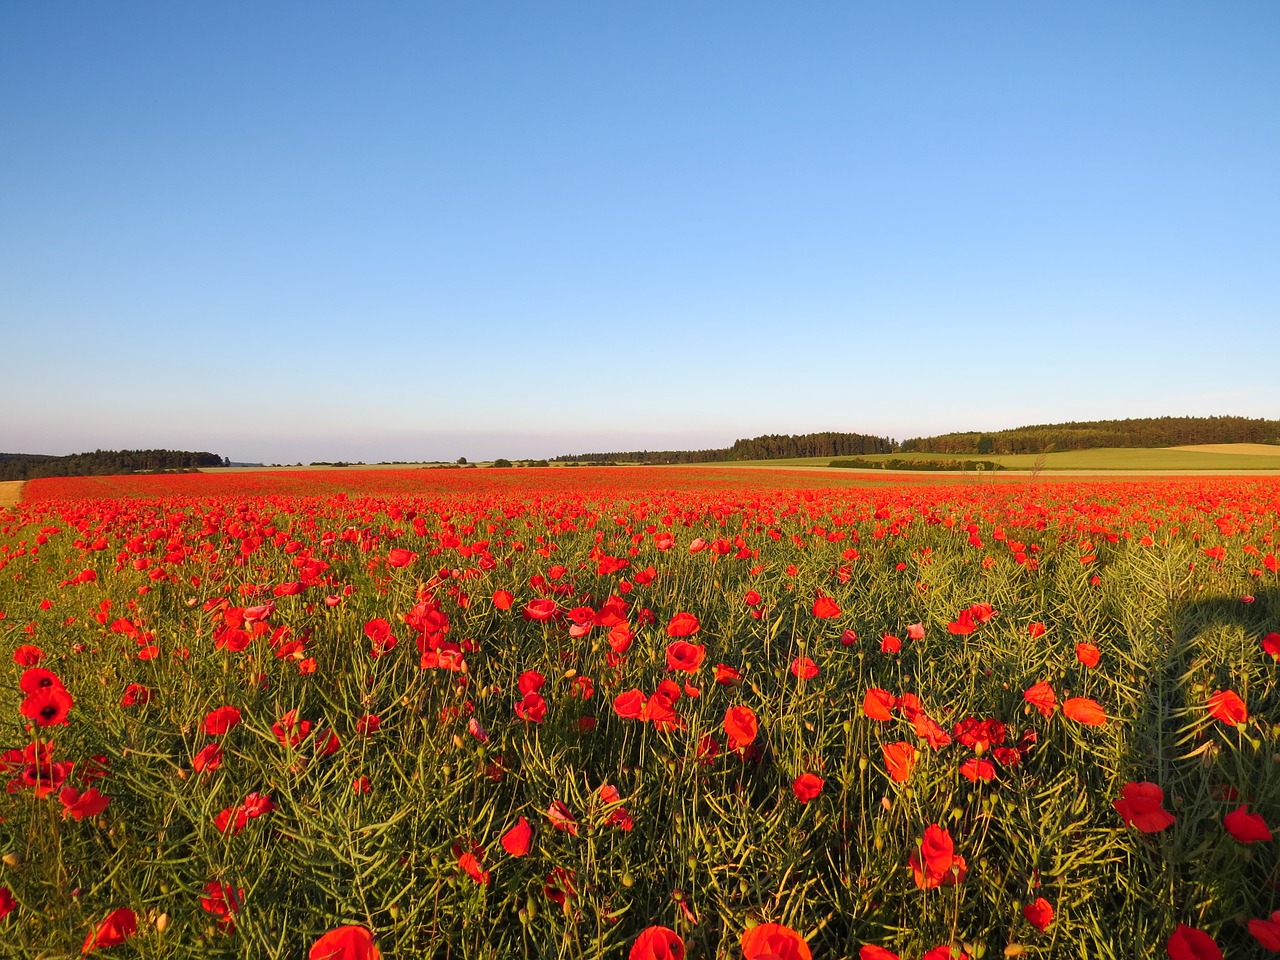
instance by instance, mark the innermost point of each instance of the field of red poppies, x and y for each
(630, 713)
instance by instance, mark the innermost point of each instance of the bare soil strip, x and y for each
(10, 492)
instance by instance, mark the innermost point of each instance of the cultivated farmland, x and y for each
(540, 713)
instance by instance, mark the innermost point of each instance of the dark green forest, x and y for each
(1147, 432)
(29, 466)
(770, 447)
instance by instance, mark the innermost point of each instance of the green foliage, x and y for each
(28, 466)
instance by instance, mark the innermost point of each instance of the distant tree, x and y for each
(502, 462)
(461, 461)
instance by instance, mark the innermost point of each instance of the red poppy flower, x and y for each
(899, 760)
(870, 951)
(1271, 644)
(630, 705)
(470, 862)
(350, 942)
(118, 927)
(561, 818)
(878, 704)
(532, 709)
(890, 644)
(934, 863)
(945, 952)
(7, 903)
(1083, 710)
(1041, 697)
(802, 668)
(657, 943)
(28, 655)
(77, 805)
(221, 721)
(541, 609)
(824, 608)
(740, 726)
(47, 706)
(1267, 932)
(1035, 629)
(1188, 943)
(726, 674)
(975, 769)
(1088, 654)
(807, 786)
(503, 599)
(222, 900)
(516, 841)
(683, 625)
(1141, 804)
(773, 941)
(1226, 706)
(1246, 827)
(400, 557)
(685, 656)
(209, 758)
(928, 729)
(1039, 914)
(531, 681)
(38, 678)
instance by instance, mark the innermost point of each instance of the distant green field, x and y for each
(1113, 458)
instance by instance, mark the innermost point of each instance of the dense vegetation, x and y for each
(769, 447)
(28, 466)
(896, 463)
(1145, 432)
(480, 715)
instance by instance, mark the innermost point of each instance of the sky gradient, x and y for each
(321, 231)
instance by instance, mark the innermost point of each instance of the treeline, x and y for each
(29, 466)
(1145, 432)
(770, 447)
(895, 464)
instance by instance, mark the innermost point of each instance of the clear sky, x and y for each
(318, 230)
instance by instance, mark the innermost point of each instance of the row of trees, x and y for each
(29, 466)
(1143, 432)
(770, 447)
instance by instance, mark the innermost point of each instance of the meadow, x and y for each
(639, 713)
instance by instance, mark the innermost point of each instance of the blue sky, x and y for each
(299, 231)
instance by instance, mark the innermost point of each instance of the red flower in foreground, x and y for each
(824, 608)
(221, 721)
(1188, 943)
(7, 903)
(222, 900)
(1083, 710)
(773, 941)
(899, 760)
(349, 942)
(1041, 697)
(1039, 914)
(740, 726)
(1246, 827)
(1226, 706)
(1088, 654)
(1142, 805)
(47, 706)
(516, 840)
(1267, 932)
(870, 951)
(802, 668)
(685, 656)
(657, 943)
(79, 805)
(807, 786)
(879, 704)
(118, 927)
(935, 864)
(683, 625)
